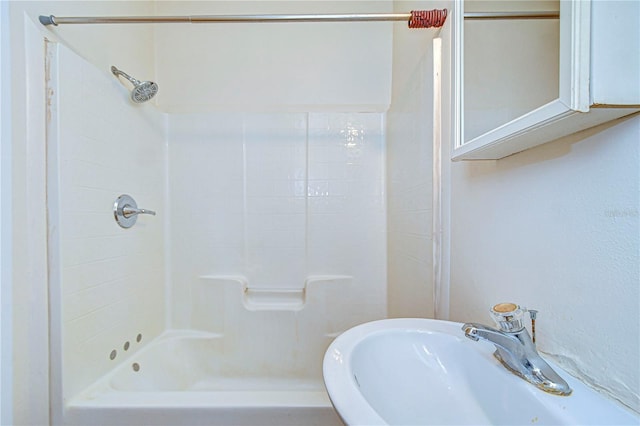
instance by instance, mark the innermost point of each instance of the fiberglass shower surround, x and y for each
(272, 229)
(247, 334)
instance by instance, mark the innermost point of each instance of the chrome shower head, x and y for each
(142, 90)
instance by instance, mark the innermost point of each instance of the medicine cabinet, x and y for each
(520, 82)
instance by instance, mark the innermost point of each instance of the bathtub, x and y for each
(182, 378)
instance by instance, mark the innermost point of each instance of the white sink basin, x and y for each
(425, 372)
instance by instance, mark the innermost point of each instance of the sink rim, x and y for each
(337, 371)
(353, 407)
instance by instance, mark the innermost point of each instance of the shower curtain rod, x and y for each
(415, 19)
(510, 15)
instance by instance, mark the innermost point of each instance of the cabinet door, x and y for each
(569, 93)
(615, 53)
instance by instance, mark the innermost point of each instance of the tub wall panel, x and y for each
(112, 279)
(276, 204)
(410, 172)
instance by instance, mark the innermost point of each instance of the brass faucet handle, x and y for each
(508, 316)
(504, 308)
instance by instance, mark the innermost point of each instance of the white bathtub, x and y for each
(183, 378)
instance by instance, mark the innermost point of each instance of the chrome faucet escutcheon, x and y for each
(515, 348)
(126, 211)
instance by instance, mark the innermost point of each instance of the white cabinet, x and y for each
(583, 70)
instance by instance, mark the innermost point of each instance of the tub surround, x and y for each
(273, 251)
(185, 377)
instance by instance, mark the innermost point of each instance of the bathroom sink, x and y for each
(425, 372)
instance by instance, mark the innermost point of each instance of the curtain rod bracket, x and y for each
(48, 20)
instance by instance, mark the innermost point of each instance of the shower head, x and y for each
(142, 90)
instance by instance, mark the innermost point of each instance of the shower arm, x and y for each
(117, 72)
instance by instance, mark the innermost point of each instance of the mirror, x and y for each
(530, 72)
(511, 66)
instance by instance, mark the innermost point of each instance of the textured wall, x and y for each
(557, 228)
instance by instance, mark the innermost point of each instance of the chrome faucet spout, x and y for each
(476, 332)
(516, 351)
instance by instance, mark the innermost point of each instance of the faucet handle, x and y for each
(508, 316)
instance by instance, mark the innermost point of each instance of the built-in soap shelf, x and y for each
(256, 299)
(274, 298)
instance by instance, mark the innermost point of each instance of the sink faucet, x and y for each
(515, 349)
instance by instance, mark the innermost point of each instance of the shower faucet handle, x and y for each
(128, 211)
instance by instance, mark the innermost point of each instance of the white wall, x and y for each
(273, 66)
(110, 285)
(6, 390)
(557, 228)
(126, 46)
